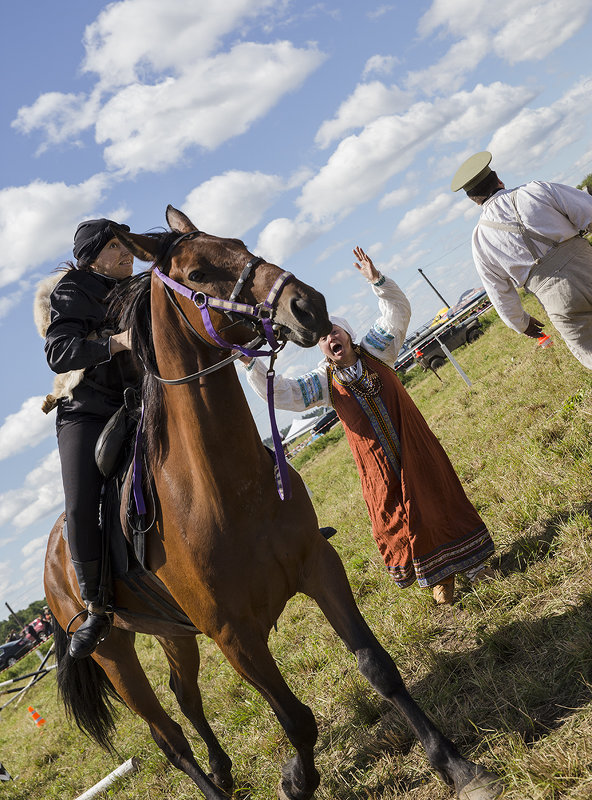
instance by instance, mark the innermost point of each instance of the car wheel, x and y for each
(11, 662)
(473, 335)
(437, 362)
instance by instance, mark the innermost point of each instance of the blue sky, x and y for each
(305, 128)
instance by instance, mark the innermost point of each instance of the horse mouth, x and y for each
(303, 337)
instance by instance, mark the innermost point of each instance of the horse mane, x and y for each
(131, 307)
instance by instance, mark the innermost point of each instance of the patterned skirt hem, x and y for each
(433, 568)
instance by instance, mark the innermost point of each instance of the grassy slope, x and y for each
(506, 672)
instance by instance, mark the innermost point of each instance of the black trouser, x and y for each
(82, 485)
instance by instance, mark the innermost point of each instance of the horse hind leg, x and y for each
(183, 656)
(118, 658)
(327, 584)
(247, 651)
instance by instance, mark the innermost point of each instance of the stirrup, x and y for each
(108, 613)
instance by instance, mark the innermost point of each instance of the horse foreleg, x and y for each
(246, 649)
(327, 584)
(117, 656)
(183, 656)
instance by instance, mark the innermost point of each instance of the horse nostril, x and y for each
(303, 310)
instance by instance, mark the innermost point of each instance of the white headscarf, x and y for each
(343, 323)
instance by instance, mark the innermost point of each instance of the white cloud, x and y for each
(40, 494)
(48, 213)
(448, 74)
(538, 133)
(133, 39)
(380, 12)
(381, 65)
(361, 164)
(404, 194)
(282, 237)
(340, 276)
(34, 552)
(150, 127)
(424, 217)
(63, 117)
(232, 203)
(542, 28)
(10, 301)
(165, 84)
(483, 109)
(25, 428)
(518, 29)
(367, 102)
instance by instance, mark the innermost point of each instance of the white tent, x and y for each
(298, 427)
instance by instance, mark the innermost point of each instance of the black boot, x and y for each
(97, 624)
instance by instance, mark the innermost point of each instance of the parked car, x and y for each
(429, 352)
(10, 652)
(326, 421)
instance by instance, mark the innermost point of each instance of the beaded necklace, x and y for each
(367, 385)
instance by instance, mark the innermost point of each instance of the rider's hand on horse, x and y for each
(534, 328)
(121, 341)
(365, 265)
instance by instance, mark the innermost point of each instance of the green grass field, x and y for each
(506, 672)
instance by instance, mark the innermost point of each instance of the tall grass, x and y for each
(506, 671)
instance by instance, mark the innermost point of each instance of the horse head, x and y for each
(208, 266)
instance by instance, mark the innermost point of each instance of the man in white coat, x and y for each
(531, 237)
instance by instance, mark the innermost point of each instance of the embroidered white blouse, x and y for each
(383, 340)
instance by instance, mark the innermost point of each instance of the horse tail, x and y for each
(86, 692)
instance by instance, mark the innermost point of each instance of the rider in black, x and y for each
(80, 336)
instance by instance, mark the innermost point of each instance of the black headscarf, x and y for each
(90, 238)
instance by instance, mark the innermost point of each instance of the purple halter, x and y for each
(261, 313)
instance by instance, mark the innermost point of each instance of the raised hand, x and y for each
(365, 265)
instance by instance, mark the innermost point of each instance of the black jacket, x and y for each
(79, 305)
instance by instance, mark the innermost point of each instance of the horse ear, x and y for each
(145, 248)
(178, 221)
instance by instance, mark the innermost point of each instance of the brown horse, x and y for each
(229, 551)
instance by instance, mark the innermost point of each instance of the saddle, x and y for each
(124, 551)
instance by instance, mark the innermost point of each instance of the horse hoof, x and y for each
(281, 794)
(223, 782)
(486, 786)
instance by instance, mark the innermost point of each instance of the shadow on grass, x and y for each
(528, 550)
(527, 679)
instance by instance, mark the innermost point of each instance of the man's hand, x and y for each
(534, 328)
(365, 265)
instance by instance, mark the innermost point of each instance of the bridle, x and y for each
(259, 315)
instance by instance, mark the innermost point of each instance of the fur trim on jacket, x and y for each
(64, 383)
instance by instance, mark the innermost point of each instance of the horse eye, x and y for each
(195, 276)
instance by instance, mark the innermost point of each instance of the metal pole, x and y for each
(454, 362)
(433, 287)
(22, 624)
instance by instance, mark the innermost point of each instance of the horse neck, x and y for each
(207, 420)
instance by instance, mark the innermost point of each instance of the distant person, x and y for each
(530, 236)
(422, 521)
(46, 620)
(33, 633)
